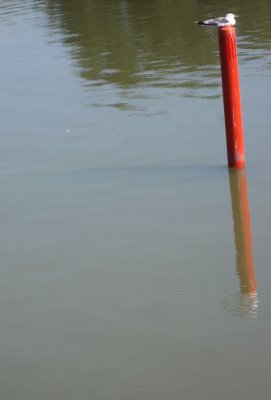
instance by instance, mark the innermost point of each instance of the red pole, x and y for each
(231, 97)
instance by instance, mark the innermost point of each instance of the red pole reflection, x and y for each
(242, 233)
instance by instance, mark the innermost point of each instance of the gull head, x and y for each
(231, 18)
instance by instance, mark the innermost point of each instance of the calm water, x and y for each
(134, 265)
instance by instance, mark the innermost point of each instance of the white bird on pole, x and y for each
(220, 22)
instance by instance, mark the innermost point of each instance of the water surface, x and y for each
(134, 265)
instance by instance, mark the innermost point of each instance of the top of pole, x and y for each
(227, 28)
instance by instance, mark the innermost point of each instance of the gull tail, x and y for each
(200, 23)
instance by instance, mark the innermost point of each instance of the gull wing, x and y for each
(220, 21)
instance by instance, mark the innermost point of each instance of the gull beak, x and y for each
(236, 16)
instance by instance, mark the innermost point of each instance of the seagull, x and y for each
(228, 20)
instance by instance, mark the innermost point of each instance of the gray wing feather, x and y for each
(220, 21)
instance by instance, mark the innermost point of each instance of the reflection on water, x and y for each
(141, 44)
(151, 43)
(243, 242)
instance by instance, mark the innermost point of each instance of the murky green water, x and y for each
(133, 264)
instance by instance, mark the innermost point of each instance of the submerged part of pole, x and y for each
(231, 97)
